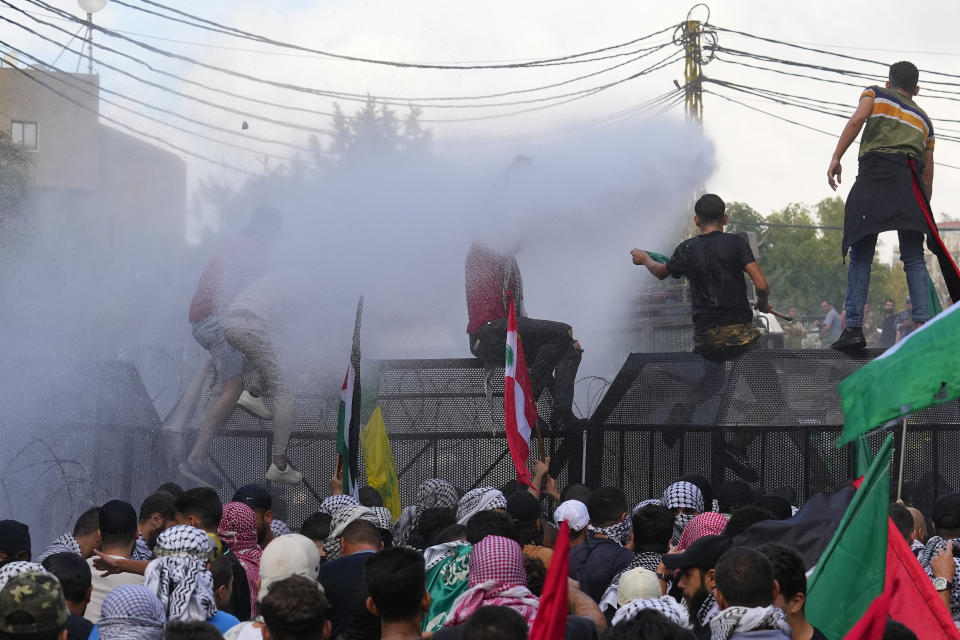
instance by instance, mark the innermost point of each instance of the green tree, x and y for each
(15, 181)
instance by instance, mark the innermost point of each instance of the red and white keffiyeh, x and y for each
(497, 578)
(708, 523)
(238, 530)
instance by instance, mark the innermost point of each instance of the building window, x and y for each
(25, 134)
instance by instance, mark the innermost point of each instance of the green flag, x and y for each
(851, 570)
(661, 258)
(918, 372)
(933, 298)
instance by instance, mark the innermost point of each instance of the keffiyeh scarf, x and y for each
(707, 611)
(682, 495)
(383, 517)
(432, 493)
(64, 544)
(935, 545)
(279, 527)
(331, 504)
(179, 576)
(644, 503)
(141, 551)
(649, 560)
(619, 532)
(743, 619)
(238, 530)
(666, 605)
(497, 578)
(340, 518)
(131, 612)
(477, 500)
(17, 567)
(703, 524)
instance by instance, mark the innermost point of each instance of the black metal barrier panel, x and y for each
(667, 414)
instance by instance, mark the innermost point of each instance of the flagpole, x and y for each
(903, 448)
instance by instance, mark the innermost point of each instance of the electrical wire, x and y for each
(210, 25)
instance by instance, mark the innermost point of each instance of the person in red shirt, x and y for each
(552, 353)
(240, 261)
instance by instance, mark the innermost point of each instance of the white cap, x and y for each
(575, 513)
(289, 555)
(638, 583)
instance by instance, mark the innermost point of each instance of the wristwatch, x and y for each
(941, 584)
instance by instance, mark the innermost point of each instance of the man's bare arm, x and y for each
(847, 136)
(928, 172)
(763, 289)
(583, 605)
(641, 257)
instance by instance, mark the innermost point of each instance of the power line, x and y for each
(210, 25)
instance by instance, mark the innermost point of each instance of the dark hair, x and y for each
(536, 574)
(706, 489)
(451, 533)
(649, 624)
(498, 622)
(745, 577)
(788, 570)
(192, 630)
(317, 526)
(785, 491)
(490, 523)
(946, 512)
(433, 520)
(777, 505)
(579, 492)
(361, 532)
(606, 505)
(118, 523)
(172, 488)
(73, 572)
(369, 497)
(294, 609)
(396, 581)
(203, 503)
(87, 523)
(710, 208)
(745, 517)
(904, 75)
(222, 570)
(903, 519)
(896, 630)
(652, 528)
(733, 494)
(160, 502)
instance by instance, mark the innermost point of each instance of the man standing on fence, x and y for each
(492, 279)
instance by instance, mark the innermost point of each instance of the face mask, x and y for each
(680, 522)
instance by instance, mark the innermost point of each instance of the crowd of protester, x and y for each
(453, 565)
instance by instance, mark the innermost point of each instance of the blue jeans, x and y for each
(858, 275)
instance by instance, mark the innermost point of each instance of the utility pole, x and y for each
(690, 35)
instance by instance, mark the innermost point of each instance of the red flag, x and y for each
(873, 622)
(519, 406)
(551, 620)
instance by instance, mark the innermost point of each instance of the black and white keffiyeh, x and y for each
(17, 567)
(141, 551)
(934, 547)
(682, 495)
(619, 532)
(666, 605)
(431, 494)
(477, 500)
(64, 544)
(331, 504)
(339, 519)
(279, 527)
(649, 560)
(179, 577)
(131, 612)
(744, 619)
(384, 518)
(707, 611)
(647, 502)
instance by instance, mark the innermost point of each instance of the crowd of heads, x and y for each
(453, 565)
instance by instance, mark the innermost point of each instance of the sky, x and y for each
(760, 160)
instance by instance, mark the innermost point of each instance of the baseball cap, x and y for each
(574, 512)
(254, 496)
(702, 554)
(523, 507)
(637, 583)
(289, 555)
(32, 603)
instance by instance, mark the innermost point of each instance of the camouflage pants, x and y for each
(726, 341)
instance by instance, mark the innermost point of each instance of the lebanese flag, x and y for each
(519, 406)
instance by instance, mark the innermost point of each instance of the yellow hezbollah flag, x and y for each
(381, 468)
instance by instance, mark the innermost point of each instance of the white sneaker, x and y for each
(287, 475)
(254, 405)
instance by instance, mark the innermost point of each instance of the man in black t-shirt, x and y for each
(714, 263)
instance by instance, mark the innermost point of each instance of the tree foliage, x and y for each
(15, 181)
(803, 263)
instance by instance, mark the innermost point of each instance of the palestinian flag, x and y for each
(918, 372)
(551, 620)
(951, 275)
(863, 571)
(348, 415)
(519, 406)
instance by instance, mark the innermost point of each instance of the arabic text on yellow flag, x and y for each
(381, 468)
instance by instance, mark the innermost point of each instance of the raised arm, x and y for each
(641, 257)
(847, 136)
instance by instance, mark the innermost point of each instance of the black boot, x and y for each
(850, 340)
